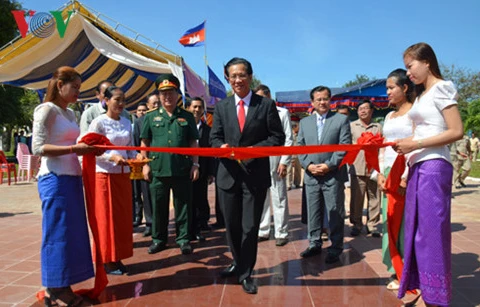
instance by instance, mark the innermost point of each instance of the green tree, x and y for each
(359, 79)
(473, 116)
(16, 104)
(8, 26)
(468, 86)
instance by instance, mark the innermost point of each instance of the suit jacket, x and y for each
(262, 128)
(336, 130)
(207, 164)
(137, 129)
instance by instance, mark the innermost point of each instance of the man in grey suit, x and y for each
(324, 180)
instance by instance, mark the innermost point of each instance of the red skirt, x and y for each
(113, 211)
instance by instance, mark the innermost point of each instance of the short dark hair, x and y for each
(262, 87)
(364, 101)
(100, 84)
(155, 93)
(142, 104)
(320, 88)
(236, 61)
(343, 107)
(198, 99)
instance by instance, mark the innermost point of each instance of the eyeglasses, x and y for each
(239, 76)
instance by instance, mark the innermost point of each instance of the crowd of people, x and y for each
(415, 212)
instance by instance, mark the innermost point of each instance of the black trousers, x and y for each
(242, 208)
(200, 206)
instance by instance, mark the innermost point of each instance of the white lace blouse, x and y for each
(119, 132)
(56, 126)
(426, 114)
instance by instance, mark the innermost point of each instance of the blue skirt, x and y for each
(66, 257)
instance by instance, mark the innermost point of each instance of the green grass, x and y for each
(475, 172)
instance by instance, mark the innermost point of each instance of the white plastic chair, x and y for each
(27, 163)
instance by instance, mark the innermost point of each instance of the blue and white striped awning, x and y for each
(95, 51)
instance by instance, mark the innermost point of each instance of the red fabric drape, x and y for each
(395, 208)
(88, 171)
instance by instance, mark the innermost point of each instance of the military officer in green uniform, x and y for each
(170, 126)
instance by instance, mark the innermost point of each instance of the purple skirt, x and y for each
(428, 239)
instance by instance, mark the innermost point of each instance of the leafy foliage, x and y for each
(359, 79)
(8, 26)
(468, 86)
(473, 117)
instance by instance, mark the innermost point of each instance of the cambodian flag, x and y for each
(194, 37)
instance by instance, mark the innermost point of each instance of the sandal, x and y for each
(393, 285)
(52, 298)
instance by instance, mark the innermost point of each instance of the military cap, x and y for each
(166, 82)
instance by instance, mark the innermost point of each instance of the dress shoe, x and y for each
(355, 232)
(463, 184)
(156, 247)
(376, 234)
(281, 241)
(122, 267)
(261, 239)
(332, 258)
(186, 248)
(204, 227)
(218, 226)
(197, 237)
(147, 232)
(137, 222)
(311, 251)
(248, 286)
(228, 271)
(112, 270)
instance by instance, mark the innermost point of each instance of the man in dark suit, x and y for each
(152, 104)
(244, 120)
(324, 180)
(200, 206)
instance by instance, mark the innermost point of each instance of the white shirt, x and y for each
(119, 132)
(56, 126)
(246, 102)
(427, 116)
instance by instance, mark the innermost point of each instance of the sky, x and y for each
(297, 45)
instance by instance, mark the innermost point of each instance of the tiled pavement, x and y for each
(172, 279)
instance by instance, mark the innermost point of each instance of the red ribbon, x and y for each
(370, 144)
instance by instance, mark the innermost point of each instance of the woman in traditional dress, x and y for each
(398, 125)
(113, 191)
(428, 240)
(65, 252)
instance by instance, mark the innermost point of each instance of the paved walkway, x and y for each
(284, 278)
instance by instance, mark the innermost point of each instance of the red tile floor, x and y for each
(284, 278)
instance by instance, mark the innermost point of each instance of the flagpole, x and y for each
(205, 53)
(206, 72)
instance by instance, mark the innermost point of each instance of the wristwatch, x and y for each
(196, 164)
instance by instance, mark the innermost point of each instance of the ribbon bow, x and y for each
(371, 143)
